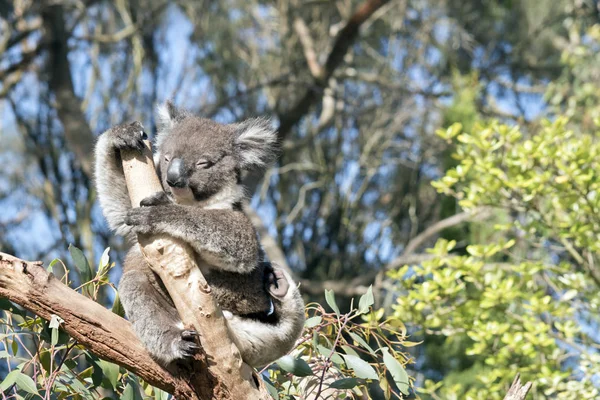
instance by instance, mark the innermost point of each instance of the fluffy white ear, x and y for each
(166, 116)
(164, 119)
(256, 143)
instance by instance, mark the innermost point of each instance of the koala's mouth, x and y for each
(182, 194)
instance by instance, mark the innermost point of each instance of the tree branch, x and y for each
(78, 134)
(308, 47)
(218, 372)
(439, 226)
(517, 390)
(360, 284)
(345, 38)
(104, 333)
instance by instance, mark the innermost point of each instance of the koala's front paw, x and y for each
(157, 199)
(127, 136)
(142, 219)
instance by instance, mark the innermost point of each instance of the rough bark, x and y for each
(219, 372)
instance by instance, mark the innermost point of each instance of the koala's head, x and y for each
(201, 161)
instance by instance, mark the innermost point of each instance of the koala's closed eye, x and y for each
(203, 163)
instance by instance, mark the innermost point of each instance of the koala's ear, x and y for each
(278, 284)
(166, 116)
(255, 143)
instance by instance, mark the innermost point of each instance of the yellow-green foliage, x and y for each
(527, 303)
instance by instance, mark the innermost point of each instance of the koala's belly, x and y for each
(239, 293)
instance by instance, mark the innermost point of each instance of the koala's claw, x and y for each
(128, 136)
(187, 345)
(189, 334)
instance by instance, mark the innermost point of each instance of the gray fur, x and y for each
(264, 318)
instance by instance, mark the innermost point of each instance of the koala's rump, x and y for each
(242, 294)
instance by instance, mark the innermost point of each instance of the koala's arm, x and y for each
(110, 181)
(225, 239)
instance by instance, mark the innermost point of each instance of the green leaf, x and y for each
(346, 383)
(54, 324)
(362, 342)
(128, 393)
(330, 299)
(349, 350)
(5, 304)
(83, 267)
(104, 260)
(361, 368)
(270, 387)
(366, 301)
(98, 373)
(326, 352)
(111, 371)
(312, 322)
(24, 382)
(295, 366)
(51, 265)
(397, 371)
(117, 306)
(54, 339)
(10, 379)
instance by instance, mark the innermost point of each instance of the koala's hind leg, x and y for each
(154, 318)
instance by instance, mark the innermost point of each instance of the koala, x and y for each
(200, 165)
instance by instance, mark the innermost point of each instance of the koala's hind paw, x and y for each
(185, 346)
(128, 136)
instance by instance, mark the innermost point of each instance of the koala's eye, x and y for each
(167, 158)
(204, 164)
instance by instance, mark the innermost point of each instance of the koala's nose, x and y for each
(176, 173)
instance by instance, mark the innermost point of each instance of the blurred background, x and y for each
(357, 90)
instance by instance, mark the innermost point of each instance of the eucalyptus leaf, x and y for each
(24, 382)
(361, 368)
(366, 301)
(312, 322)
(345, 383)
(295, 366)
(10, 380)
(330, 299)
(111, 371)
(270, 387)
(362, 342)
(81, 263)
(117, 306)
(397, 371)
(326, 352)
